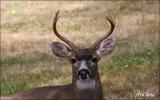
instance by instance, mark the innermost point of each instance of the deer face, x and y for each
(84, 61)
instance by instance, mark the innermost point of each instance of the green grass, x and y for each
(21, 85)
(127, 61)
(21, 60)
(14, 88)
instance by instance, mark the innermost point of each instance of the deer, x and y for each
(86, 84)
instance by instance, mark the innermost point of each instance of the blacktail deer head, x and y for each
(86, 83)
(84, 61)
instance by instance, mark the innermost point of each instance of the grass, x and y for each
(12, 89)
(20, 60)
(129, 61)
(27, 61)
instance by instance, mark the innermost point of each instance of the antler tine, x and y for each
(96, 44)
(72, 45)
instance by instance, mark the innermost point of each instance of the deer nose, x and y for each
(83, 74)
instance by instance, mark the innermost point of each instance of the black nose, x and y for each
(83, 74)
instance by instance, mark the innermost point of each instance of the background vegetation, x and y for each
(27, 61)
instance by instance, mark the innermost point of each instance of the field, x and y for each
(131, 70)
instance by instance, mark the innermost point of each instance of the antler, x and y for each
(73, 47)
(96, 44)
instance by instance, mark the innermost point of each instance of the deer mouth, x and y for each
(84, 74)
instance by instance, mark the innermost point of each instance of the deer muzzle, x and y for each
(84, 74)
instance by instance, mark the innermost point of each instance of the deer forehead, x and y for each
(84, 54)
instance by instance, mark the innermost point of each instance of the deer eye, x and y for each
(73, 60)
(94, 59)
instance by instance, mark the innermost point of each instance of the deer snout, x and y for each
(84, 74)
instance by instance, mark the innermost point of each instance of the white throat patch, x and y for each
(85, 84)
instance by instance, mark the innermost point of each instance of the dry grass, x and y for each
(26, 31)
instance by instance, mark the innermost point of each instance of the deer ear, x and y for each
(60, 49)
(106, 46)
